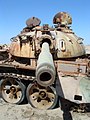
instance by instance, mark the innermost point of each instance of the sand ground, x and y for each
(26, 112)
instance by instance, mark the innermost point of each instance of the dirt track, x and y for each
(26, 112)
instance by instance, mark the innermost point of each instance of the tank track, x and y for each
(17, 76)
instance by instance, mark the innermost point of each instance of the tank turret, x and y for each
(63, 40)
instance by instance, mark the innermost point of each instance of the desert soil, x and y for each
(26, 112)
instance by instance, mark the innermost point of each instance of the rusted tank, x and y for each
(46, 65)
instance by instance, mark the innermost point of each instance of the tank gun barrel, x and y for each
(45, 71)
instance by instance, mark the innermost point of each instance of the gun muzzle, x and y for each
(45, 71)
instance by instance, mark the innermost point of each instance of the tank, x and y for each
(47, 66)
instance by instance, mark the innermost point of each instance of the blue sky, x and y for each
(14, 13)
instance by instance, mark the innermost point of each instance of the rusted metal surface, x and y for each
(4, 49)
(65, 44)
(22, 48)
(12, 91)
(78, 67)
(62, 18)
(41, 97)
(33, 22)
